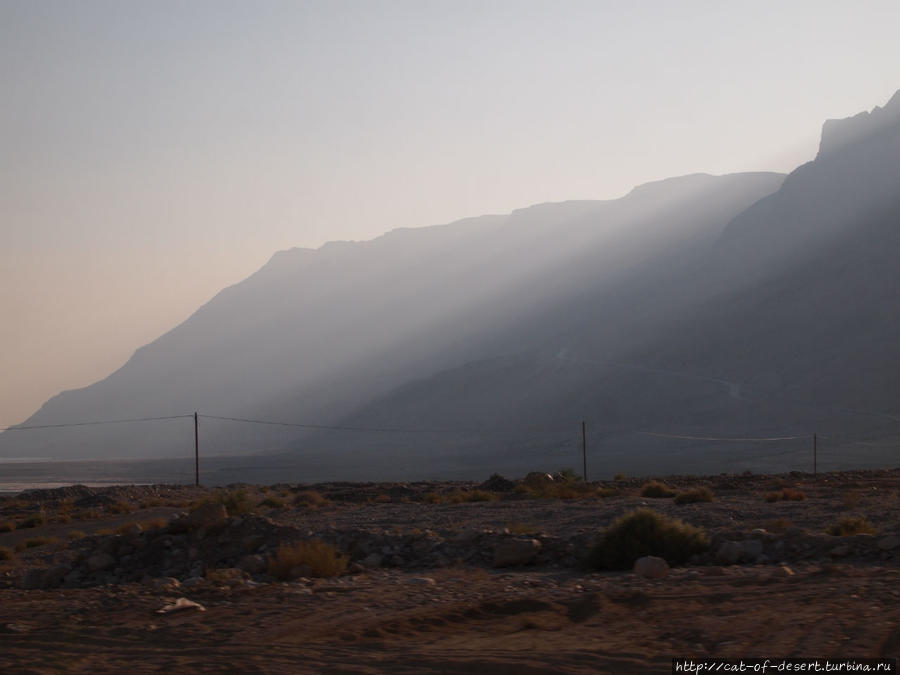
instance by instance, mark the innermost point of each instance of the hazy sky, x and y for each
(154, 152)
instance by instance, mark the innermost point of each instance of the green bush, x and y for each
(645, 532)
(656, 490)
(849, 526)
(694, 495)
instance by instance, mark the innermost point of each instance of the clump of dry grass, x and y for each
(849, 526)
(786, 495)
(37, 520)
(607, 492)
(7, 526)
(777, 525)
(522, 528)
(461, 496)
(119, 507)
(557, 490)
(322, 559)
(850, 500)
(153, 523)
(657, 490)
(694, 495)
(273, 502)
(646, 532)
(34, 542)
(76, 534)
(310, 499)
(6, 554)
(86, 514)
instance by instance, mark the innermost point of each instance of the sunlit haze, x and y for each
(154, 153)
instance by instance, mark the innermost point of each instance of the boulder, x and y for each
(651, 567)
(372, 560)
(510, 552)
(729, 553)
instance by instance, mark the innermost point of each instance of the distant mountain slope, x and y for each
(788, 324)
(316, 335)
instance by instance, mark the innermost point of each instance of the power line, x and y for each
(327, 427)
(86, 424)
(714, 438)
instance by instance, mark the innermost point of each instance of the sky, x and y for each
(153, 153)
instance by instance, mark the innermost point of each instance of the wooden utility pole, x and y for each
(196, 450)
(584, 450)
(815, 456)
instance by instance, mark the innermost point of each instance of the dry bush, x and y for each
(37, 520)
(694, 495)
(522, 528)
(310, 499)
(620, 476)
(7, 526)
(40, 541)
(461, 496)
(431, 498)
(76, 534)
(86, 514)
(125, 528)
(849, 526)
(153, 523)
(322, 559)
(273, 502)
(657, 490)
(383, 499)
(119, 507)
(236, 502)
(786, 495)
(6, 554)
(557, 490)
(646, 532)
(105, 532)
(151, 502)
(778, 525)
(62, 518)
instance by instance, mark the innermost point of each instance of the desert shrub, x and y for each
(656, 490)
(40, 541)
(431, 498)
(849, 526)
(153, 524)
(778, 525)
(105, 532)
(523, 528)
(7, 526)
(37, 520)
(6, 554)
(310, 499)
(322, 559)
(273, 502)
(120, 506)
(694, 495)
(476, 495)
(125, 528)
(383, 499)
(86, 514)
(76, 534)
(152, 501)
(786, 495)
(619, 476)
(62, 518)
(646, 532)
(236, 502)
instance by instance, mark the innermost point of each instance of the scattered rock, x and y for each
(651, 567)
(889, 543)
(180, 604)
(510, 552)
(163, 584)
(425, 581)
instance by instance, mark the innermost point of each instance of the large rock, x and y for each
(651, 567)
(510, 552)
(729, 553)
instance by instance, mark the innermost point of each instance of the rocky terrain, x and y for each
(446, 577)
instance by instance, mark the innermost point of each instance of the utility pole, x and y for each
(196, 450)
(815, 456)
(584, 450)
